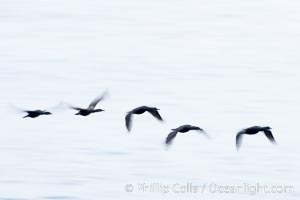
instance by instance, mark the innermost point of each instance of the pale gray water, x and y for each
(222, 65)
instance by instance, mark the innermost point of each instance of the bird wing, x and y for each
(96, 101)
(33, 111)
(239, 139)
(269, 136)
(171, 136)
(128, 120)
(205, 134)
(155, 114)
(76, 108)
(199, 129)
(40, 111)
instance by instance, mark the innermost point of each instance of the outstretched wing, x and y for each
(270, 136)
(155, 114)
(75, 108)
(204, 133)
(238, 140)
(171, 136)
(97, 100)
(128, 120)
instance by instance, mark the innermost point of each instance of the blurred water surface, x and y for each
(222, 65)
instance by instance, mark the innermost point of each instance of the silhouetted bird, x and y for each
(182, 129)
(36, 113)
(253, 130)
(91, 107)
(140, 110)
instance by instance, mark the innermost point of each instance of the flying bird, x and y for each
(182, 129)
(140, 110)
(91, 108)
(253, 130)
(36, 113)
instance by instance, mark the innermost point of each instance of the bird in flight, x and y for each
(36, 113)
(252, 131)
(91, 108)
(182, 129)
(140, 110)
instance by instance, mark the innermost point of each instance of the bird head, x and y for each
(47, 113)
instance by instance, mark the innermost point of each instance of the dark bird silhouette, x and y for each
(182, 129)
(253, 130)
(36, 113)
(140, 110)
(91, 107)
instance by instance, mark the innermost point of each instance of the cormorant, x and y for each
(253, 130)
(91, 107)
(182, 129)
(140, 110)
(36, 113)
